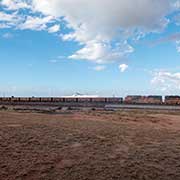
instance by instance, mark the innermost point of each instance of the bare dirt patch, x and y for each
(90, 145)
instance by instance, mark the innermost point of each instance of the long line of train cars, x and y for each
(63, 99)
(168, 100)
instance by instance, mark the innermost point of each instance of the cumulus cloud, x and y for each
(102, 52)
(14, 4)
(123, 67)
(54, 29)
(166, 81)
(11, 18)
(36, 23)
(95, 24)
(102, 27)
(107, 16)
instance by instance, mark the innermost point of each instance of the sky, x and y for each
(97, 47)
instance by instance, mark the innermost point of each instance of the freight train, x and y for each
(63, 99)
(156, 100)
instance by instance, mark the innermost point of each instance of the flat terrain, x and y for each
(90, 145)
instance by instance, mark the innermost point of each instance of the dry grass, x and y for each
(90, 145)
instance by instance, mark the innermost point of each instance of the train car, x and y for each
(15, 99)
(84, 99)
(143, 100)
(134, 99)
(46, 99)
(172, 100)
(71, 99)
(154, 100)
(5, 99)
(99, 100)
(24, 99)
(58, 99)
(35, 99)
(115, 100)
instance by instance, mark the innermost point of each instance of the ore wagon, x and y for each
(134, 99)
(172, 100)
(154, 100)
(115, 100)
(99, 100)
(85, 100)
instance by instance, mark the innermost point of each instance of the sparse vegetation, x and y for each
(125, 144)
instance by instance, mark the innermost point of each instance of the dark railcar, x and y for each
(35, 99)
(46, 99)
(172, 100)
(98, 100)
(71, 99)
(5, 99)
(154, 100)
(134, 99)
(85, 100)
(143, 100)
(114, 100)
(58, 99)
(24, 99)
(15, 99)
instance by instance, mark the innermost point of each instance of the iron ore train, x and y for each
(63, 99)
(156, 100)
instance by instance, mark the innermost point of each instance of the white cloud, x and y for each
(101, 53)
(166, 81)
(9, 20)
(54, 29)
(14, 4)
(99, 68)
(107, 16)
(36, 23)
(123, 67)
(5, 17)
(96, 24)
(13, 17)
(101, 27)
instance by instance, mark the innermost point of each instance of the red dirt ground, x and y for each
(92, 145)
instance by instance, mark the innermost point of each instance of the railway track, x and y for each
(108, 106)
(138, 106)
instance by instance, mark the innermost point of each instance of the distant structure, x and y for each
(79, 95)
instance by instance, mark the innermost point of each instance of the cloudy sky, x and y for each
(104, 47)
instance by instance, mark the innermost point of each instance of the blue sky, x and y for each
(59, 47)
